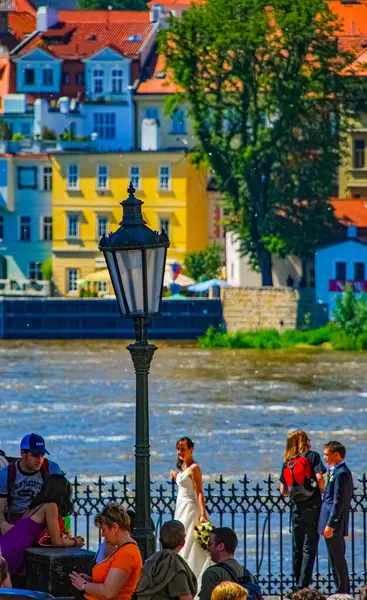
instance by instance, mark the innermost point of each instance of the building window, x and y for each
(1, 229)
(73, 177)
(72, 280)
(28, 76)
(358, 154)
(47, 76)
(164, 178)
(47, 179)
(105, 125)
(102, 177)
(117, 77)
(25, 229)
(151, 113)
(80, 78)
(102, 286)
(98, 77)
(102, 226)
(65, 78)
(358, 271)
(27, 178)
(134, 176)
(165, 223)
(73, 226)
(25, 128)
(47, 229)
(178, 122)
(341, 271)
(34, 271)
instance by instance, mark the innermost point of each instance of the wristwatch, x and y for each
(84, 586)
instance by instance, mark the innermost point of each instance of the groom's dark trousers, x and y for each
(335, 513)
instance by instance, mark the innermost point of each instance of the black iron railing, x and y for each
(258, 514)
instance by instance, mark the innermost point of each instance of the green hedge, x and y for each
(271, 339)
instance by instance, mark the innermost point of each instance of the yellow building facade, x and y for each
(353, 171)
(87, 190)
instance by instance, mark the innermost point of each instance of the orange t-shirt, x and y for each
(127, 558)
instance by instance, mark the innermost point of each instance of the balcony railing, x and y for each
(43, 146)
(111, 98)
(26, 287)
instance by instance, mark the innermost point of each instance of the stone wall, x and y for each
(247, 309)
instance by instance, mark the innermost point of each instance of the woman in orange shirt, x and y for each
(115, 577)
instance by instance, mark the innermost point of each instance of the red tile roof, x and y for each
(85, 39)
(102, 16)
(351, 212)
(151, 82)
(353, 17)
(21, 24)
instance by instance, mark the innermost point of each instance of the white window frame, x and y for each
(72, 182)
(46, 238)
(37, 271)
(98, 229)
(99, 187)
(162, 177)
(161, 221)
(30, 228)
(75, 279)
(46, 177)
(135, 178)
(117, 80)
(98, 75)
(76, 235)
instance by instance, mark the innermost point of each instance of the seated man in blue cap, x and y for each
(23, 479)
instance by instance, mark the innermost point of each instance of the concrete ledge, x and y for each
(48, 569)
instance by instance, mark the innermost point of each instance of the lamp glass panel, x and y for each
(131, 271)
(115, 280)
(155, 270)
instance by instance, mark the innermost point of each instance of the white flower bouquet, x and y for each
(201, 534)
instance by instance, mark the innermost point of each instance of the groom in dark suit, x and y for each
(334, 516)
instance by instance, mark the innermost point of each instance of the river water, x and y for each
(236, 405)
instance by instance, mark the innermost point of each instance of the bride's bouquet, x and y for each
(201, 534)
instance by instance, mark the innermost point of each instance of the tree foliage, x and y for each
(204, 264)
(350, 313)
(113, 5)
(265, 86)
(46, 269)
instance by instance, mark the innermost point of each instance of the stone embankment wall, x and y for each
(247, 309)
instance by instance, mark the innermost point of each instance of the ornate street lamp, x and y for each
(136, 256)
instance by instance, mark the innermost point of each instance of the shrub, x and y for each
(350, 314)
(48, 134)
(341, 340)
(17, 137)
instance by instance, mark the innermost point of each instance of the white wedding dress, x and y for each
(188, 512)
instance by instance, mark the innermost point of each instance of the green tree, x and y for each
(113, 5)
(46, 269)
(265, 85)
(350, 314)
(204, 264)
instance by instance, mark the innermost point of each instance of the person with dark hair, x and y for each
(308, 594)
(21, 480)
(302, 478)
(166, 575)
(334, 516)
(223, 543)
(115, 577)
(4, 574)
(190, 504)
(52, 502)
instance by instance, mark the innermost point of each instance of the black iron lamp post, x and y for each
(136, 257)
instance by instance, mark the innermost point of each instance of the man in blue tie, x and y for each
(334, 516)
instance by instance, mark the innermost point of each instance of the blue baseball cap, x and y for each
(33, 443)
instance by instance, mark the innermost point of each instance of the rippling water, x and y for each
(236, 405)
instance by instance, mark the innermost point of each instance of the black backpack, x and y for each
(247, 581)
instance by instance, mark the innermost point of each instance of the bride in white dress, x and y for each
(190, 506)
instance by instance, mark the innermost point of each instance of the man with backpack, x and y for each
(222, 545)
(302, 480)
(22, 479)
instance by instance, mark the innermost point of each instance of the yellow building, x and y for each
(87, 190)
(353, 171)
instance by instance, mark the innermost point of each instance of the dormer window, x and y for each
(134, 38)
(29, 77)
